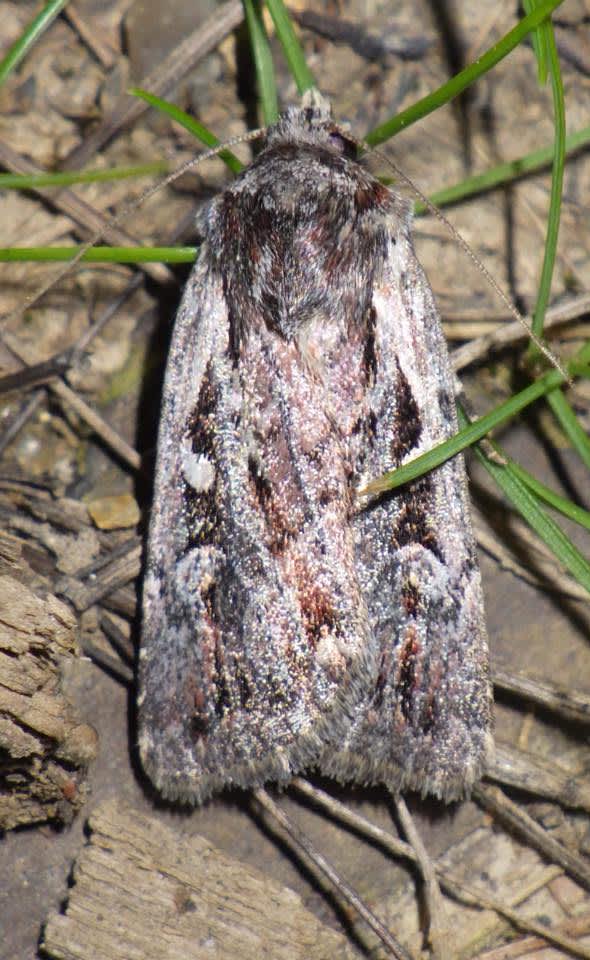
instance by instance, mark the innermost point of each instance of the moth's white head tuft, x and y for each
(312, 123)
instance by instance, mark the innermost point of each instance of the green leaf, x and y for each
(540, 45)
(294, 55)
(100, 254)
(571, 425)
(189, 123)
(469, 435)
(550, 52)
(523, 500)
(542, 492)
(29, 37)
(503, 173)
(34, 181)
(265, 75)
(465, 78)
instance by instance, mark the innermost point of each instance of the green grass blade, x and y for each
(189, 123)
(570, 425)
(265, 75)
(544, 526)
(294, 56)
(542, 492)
(21, 47)
(465, 78)
(556, 187)
(466, 437)
(33, 181)
(100, 254)
(540, 44)
(503, 173)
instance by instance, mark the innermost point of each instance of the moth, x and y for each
(287, 623)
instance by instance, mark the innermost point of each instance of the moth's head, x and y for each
(312, 123)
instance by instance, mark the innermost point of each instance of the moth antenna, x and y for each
(126, 212)
(432, 208)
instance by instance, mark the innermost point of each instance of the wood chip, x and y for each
(45, 748)
(143, 890)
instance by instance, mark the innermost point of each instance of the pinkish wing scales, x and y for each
(286, 626)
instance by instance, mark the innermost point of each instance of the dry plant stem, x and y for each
(114, 570)
(438, 932)
(123, 644)
(109, 663)
(365, 43)
(75, 354)
(539, 550)
(123, 602)
(134, 284)
(518, 820)
(35, 375)
(109, 436)
(97, 423)
(509, 333)
(128, 552)
(574, 927)
(95, 328)
(182, 59)
(455, 888)
(551, 936)
(87, 219)
(328, 871)
(538, 776)
(466, 329)
(572, 705)
(51, 369)
(23, 416)
(92, 36)
(42, 507)
(556, 581)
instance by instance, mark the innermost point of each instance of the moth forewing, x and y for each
(284, 628)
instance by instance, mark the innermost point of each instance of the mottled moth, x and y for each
(287, 624)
